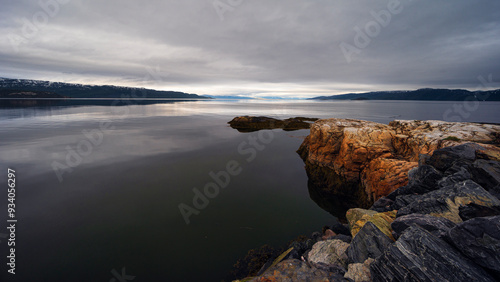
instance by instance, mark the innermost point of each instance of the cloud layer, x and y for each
(260, 48)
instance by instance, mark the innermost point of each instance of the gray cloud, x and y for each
(259, 48)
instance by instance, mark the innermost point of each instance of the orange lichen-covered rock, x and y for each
(382, 176)
(373, 158)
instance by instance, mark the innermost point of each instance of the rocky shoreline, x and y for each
(429, 208)
(361, 161)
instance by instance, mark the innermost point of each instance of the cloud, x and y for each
(256, 48)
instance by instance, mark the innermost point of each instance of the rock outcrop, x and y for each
(442, 225)
(366, 160)
(420, 256)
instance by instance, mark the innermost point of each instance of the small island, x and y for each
(250, 124)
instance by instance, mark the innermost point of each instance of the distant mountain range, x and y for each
(25, 88)
(425, 94)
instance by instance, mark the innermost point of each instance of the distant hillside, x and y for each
(426, 94)
(38, 87)
(13, 93)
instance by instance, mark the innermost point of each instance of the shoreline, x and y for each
(450, 188)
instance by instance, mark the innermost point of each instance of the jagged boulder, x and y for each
(438, 226)
(474, 210)
(487, 174)
(330, 252)
(446, 201)
(479, 240)
(370, 242)
(359, 272)
(404, 200)
(420, 256)
(382, 205)
(423, 179)
(460, 174)
(444, 158)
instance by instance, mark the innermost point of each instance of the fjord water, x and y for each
(116, 210)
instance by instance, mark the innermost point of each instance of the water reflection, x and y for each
(119, 206)
(42, 103)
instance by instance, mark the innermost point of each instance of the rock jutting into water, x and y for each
(251, 123)
(439, 222)
(362, 161)
(448, 230)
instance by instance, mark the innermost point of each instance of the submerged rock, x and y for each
(420, 256)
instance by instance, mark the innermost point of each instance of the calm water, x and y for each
(116, 204)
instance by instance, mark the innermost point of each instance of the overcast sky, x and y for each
(295, 48)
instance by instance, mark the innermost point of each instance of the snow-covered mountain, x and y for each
(87, 91)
